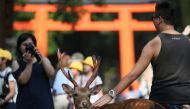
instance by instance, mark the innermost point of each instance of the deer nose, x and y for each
(85, 104)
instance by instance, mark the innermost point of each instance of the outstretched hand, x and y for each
(187, 30)
(102, 101)
(61, 59)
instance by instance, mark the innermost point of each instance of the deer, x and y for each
(81, 95)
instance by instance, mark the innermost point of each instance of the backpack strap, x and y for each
(6, 77)
(5, 87)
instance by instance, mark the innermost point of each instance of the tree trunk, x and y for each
(6, 21)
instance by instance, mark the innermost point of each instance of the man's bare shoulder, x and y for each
(155, 46)
(155, 42)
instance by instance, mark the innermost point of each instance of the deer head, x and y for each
(81, 95)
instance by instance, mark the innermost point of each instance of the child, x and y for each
(7, 82)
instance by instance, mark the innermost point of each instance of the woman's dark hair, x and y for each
(166, 10)
(22, 38)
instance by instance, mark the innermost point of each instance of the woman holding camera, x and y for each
(32, 75)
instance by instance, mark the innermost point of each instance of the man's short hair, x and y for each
(165, 9)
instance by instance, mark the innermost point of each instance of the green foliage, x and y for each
(54, 40)
(21, 1)
(99, 2)
(17, 33)
(71, 3)
(104, 16)
(23, 16)
(61, 15)
(67, 11)
(52, 46)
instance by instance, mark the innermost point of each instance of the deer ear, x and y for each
(68, 89)
(94, 90)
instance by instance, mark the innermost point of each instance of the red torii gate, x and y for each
(125, 25)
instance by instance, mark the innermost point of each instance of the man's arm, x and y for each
(141, 65)
(150, 51)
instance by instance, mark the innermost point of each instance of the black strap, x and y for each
(6, 77)
(5, 89)
(1, 76)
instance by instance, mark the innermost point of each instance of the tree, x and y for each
(6, 21)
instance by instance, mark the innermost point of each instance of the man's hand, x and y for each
(61, 59)
(186, 30)
(102, 101)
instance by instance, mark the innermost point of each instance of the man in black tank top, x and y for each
(169, 53)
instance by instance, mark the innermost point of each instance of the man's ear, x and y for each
(159, 20)
(96, 89)
(68, 89)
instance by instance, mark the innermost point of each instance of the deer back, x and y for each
(132, 104)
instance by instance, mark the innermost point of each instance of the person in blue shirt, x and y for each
(60, 97)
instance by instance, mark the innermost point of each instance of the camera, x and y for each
(32, 50)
